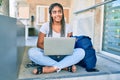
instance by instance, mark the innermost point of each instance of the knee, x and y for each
(80, 52)
(31, 52)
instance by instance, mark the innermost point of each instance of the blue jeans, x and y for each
(37, 55)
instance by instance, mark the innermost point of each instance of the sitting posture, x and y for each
(56, 27)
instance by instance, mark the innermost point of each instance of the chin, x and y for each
(58, 21)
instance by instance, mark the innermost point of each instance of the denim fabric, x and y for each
(57, 57)
(37, 56)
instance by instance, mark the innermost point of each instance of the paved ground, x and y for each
(106, 65)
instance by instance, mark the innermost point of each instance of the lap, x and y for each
(33, 52)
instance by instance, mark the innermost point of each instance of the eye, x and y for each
(54, 12)
(60, 11)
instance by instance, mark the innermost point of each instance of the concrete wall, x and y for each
(12, 8)
(83, 23)
(12, 42)
(97, 26)
(87, 23)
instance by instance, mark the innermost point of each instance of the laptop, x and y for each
(58, 46)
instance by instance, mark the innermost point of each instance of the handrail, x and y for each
(97, 5)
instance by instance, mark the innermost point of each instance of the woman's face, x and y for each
(56, 14)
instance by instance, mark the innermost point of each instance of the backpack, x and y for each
(89, 61)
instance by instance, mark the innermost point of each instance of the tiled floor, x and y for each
(109, 69)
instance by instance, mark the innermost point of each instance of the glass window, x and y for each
(111, 30)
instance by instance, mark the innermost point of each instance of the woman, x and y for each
(56, 27)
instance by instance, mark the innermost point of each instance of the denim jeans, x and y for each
(37, 55)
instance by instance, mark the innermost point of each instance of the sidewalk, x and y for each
(109, 70)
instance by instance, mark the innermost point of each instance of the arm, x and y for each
(69, 30)
(40, 42)
(69, 34)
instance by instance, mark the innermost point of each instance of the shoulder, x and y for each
(45, 24)
(45, 27)
(68, 28)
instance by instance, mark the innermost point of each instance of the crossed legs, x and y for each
(37, 56)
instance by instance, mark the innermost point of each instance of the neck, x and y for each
(56, 23)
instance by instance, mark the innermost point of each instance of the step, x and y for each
(109, 70)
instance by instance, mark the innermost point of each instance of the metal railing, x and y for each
(92, 7)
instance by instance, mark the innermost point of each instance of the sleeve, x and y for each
(44, 28)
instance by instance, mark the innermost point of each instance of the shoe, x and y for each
(92, 70)
(44, 70)
(39, 70)
(31, 64)
(72, 68)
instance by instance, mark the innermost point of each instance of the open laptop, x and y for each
(58, 46)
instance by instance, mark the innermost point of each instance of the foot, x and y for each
(45, 69)
(72, 68)
(92, 70)
(31, 64)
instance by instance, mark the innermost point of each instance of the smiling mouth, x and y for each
(58, 17)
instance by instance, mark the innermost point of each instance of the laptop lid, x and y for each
(58, 46)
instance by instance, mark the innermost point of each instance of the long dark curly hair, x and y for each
(51, 20)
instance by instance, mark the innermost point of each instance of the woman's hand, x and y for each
(69, 34)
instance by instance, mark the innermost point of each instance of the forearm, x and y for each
(40, 42)
(40, 46)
